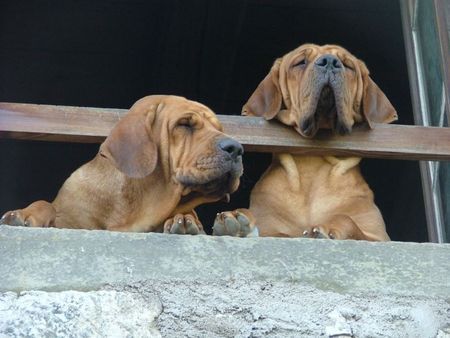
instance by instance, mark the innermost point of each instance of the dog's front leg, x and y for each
(37, 214)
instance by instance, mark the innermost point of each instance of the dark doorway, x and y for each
(110, 53)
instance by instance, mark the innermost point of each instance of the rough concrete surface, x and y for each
(233, 308)
(78, 314)
(243, 308)
(76, 283)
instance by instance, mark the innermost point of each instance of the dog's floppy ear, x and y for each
(130, 147)
(376, 106)
(266, 99)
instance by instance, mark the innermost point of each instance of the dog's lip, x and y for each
(219, 187)
(326, 90)
(309, 126)
(217, 178)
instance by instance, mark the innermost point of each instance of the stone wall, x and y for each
(106, 284)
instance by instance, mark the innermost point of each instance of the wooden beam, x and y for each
(92, 125)
(56, 123)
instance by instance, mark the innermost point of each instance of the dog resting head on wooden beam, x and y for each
(309, 88)
(335, 92)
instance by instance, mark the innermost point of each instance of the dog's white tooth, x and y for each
(226, 198)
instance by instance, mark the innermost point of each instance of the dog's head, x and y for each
(182, 140)
(316, 87)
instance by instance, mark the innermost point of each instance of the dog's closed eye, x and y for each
(185, 122)
(300, 63)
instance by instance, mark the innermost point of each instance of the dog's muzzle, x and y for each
(327, 103)
(216, 173)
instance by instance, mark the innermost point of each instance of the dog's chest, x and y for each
(308, 191)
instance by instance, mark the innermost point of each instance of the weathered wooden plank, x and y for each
(92, 125)
(56, 123)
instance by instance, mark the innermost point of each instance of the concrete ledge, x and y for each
(154, 285)
(57, 260)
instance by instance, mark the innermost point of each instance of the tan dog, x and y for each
(309, 88)
(164, 158)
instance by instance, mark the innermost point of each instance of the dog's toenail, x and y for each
(315, 230)
(331, 236)
(180, 221)
(305, 233)
(189, 221)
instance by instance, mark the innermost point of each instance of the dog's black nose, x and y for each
(234, 148)
(329, 62)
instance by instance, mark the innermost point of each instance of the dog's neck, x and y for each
(153, 200)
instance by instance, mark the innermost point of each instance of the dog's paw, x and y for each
(37, 214)
(336, 227)
(16, 218)
(237, 223)
(318, 232)
(183, 225)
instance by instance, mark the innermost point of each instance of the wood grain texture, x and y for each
(92, 125)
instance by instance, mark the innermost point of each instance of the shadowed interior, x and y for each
(110, 53)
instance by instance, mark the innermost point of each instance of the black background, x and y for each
(110, 53)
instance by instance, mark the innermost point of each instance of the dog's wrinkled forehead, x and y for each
(205, 113)
(173, 107)
(183, 107)
(312, 52)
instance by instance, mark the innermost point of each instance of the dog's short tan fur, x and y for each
(159, 162)
(309, 88)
